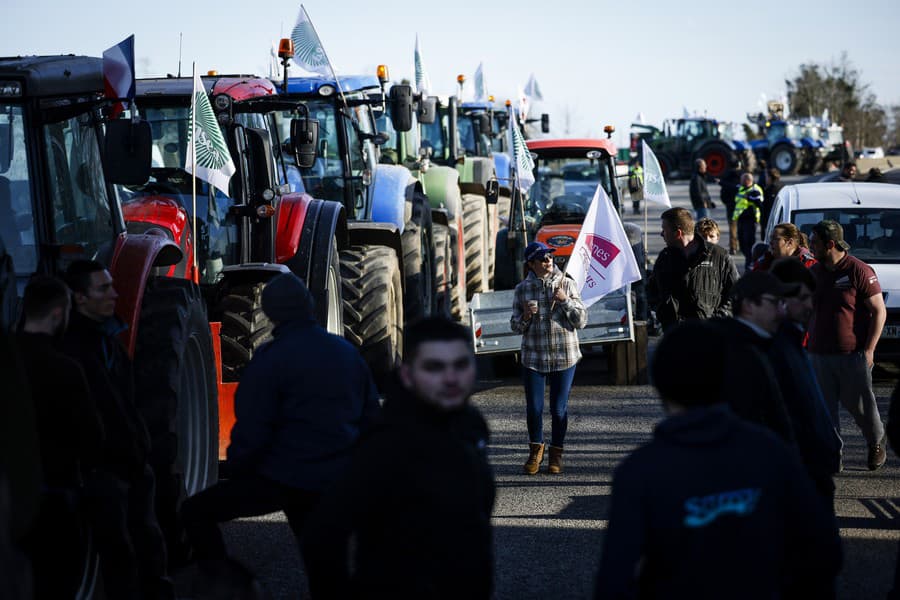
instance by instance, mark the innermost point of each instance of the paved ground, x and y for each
(549, 531)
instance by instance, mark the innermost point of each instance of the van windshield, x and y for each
(873, 233)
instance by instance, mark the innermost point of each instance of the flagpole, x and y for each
(327, 59)
(193, 150)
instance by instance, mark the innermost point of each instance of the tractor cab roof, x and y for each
(572, 148)
(47, 76)
(327, 86)
(479, 105)
(238, 87)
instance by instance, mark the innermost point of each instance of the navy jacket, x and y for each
(715, 507)
(302, 401)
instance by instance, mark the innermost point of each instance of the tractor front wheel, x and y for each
(476, 244)
(784, 158)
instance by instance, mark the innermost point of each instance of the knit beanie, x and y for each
(286, 298)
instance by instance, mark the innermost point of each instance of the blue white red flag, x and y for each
(118, 73)
(602, 260)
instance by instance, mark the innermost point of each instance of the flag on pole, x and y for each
(480, 86)
(654, 182)
(309, 54)
(423, 82)
(118, 73)
(207, 157)
(532, 89)
(274, 62)
(602, 260)
(521, 162)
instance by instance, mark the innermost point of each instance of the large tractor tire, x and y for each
(373, 307)
(458, 305)
(442, 268)
(245, 327)
(717, 156)
(419, 294)
(175, 388)
(784, 158)
(477, 248)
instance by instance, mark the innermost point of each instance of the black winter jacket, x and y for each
(418, 497)
(302, 402)
(110, 378)
(699, 192)
(691, 287)
(715, 507)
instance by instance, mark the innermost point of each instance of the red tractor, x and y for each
(59, 158)
(244, 238)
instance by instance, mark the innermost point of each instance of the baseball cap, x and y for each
(831, 230)
(756, 283)
(537, 250)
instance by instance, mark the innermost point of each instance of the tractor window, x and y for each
(563, 189)
(16, 219)
(81, 208)
(325, 179)
(690, 129)
(433, 138)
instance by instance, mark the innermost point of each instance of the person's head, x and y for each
(746, 179)
(700, 165)
(674, 365)
(539, 258)
(677, 227)
(849, 170)
(774, 174)
(707, 229)
(785, 240)
(92, 289)
(874, 174)
(827, 242)
(286, 298)
(438, 362)
(799, 307)
(45, 305)
(758, 297)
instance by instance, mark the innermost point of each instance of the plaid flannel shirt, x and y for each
(549, 341)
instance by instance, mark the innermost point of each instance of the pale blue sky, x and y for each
(603, 61)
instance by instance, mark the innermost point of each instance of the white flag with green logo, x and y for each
(532, 89)
(423, 82)
(522, 162)
(654, 182)
(309, 54)
(480, 85)
(207, 153)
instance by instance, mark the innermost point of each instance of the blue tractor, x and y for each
(788, 145)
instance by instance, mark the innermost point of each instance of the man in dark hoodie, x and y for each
(713, 506)
(120, 490)
(419, 494)
(301, 404)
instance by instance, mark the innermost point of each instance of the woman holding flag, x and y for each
(547, 311)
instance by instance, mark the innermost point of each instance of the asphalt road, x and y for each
(549, 530)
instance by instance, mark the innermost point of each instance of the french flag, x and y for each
(118, 73)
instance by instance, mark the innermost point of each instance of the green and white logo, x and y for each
(309, 53)
(654, 182)
(208, 157)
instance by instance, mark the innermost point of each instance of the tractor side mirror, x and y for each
(427, 110)
(484, 123)
(402, 107)
(545, 123)
(304, 139)
(127, 152)
(492, 191)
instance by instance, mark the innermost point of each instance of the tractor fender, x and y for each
(290, 218)
(146, 212)
(389, 194)
(739, 146)
(442, 187)
(134, 258)
(234, 275)
(478, 170)
(376, 234)
(501, 166)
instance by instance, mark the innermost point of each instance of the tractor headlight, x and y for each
(326, 90)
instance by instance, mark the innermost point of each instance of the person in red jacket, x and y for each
(786, 240)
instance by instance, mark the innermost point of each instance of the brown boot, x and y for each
(555, 466)
(534, 458)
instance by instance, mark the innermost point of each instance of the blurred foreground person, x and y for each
(418, 497)
(713, 506)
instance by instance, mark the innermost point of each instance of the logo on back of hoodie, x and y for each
(703, 510)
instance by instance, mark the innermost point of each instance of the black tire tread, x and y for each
(474, 221)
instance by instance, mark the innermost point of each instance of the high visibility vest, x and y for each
(637, 171)
(742, 202)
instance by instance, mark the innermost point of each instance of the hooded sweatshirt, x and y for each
(715, 507)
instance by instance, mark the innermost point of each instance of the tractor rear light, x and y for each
(285, 48)
(382, 72)
(478, 330)
(265, 211)
(10, 89)
(326, 90)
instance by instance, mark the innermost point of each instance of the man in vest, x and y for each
(746, 214)
(636, 186)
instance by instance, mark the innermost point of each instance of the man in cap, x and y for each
(752, 389)
(418, 496)
(846, 324)
(692, 278)
(303, 400)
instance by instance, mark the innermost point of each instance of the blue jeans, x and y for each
(560, 384)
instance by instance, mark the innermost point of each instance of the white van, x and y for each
(870, 216)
